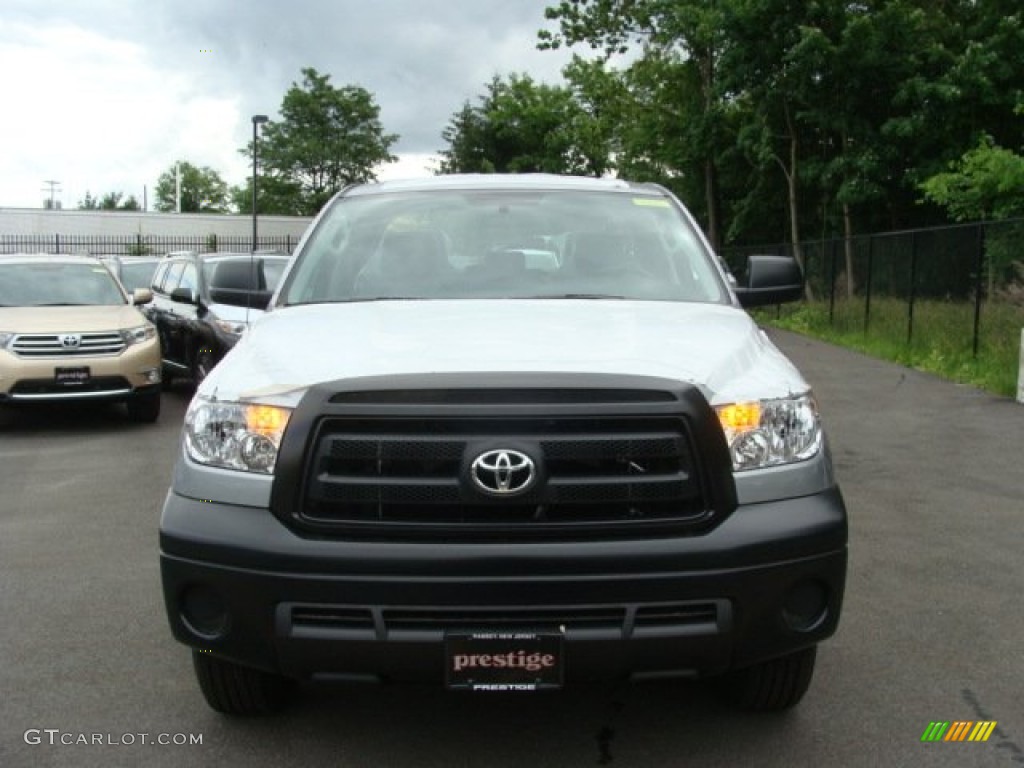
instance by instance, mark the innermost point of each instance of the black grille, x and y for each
(390, 459)
(410, 476)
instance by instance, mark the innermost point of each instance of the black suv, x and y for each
(202, 303)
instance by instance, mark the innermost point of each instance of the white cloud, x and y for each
(105, 96)
(409, 166)
(94, 114)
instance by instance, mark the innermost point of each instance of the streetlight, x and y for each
(257, 120)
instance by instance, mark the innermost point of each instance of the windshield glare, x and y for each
(47, 284)
(457, 244)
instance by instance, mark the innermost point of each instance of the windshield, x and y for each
(49, 284)
(458, 244)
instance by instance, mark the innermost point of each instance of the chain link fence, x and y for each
(963, 284)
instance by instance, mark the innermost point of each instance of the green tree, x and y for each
(202, 189)
(327, 138)
(986, 183)
(670, 128)
(112, 201)
(276, 194)
(521, 126)
(775, 119)
(471, 143)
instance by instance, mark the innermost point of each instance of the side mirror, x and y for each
(141, 296)
(183, 296)
(770, 280)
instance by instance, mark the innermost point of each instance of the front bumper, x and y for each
(111, 377)
(239, 584)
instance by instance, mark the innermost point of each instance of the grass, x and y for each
(941, 343)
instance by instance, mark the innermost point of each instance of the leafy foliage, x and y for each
(327, 138)
(112, 201)
(776, 119)
(987, 182)
(202, 189)
(520, 126)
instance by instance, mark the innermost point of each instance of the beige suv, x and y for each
(68, 331)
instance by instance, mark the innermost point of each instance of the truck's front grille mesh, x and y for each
(410, 477)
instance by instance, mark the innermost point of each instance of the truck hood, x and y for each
(77, 319)
(717, 348)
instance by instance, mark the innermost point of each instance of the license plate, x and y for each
(72, 377)
(504, 661)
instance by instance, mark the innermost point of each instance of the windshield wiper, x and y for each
(379, 298)
(577, 296)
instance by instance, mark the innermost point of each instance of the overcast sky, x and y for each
(104, 95)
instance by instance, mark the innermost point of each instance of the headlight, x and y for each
(5, 339)
(232, 329)
(767, 433)
(139, 334)
(238, 436)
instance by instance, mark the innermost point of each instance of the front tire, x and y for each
(773, 685)
(236, 690)
(203, 364)
(144, 409)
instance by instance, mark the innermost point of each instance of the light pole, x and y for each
(257, 120)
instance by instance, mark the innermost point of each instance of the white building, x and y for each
(39, 221)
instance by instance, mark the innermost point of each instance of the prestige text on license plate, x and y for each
(504, 661)
(72, 377)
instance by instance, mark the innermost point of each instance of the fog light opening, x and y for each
(204, 613)
(806, 606)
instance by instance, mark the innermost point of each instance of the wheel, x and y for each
(236, 690)
(203, 363)
(144, 408)
(773, 685)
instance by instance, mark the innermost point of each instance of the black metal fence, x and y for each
(141, 245)
(975, 267)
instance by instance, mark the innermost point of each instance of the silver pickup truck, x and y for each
(506, 433)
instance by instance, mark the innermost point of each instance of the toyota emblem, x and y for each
(503, 472)
(71, 341)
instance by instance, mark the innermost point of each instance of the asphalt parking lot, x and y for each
(932, 630)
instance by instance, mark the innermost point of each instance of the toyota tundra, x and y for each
(506, 433)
